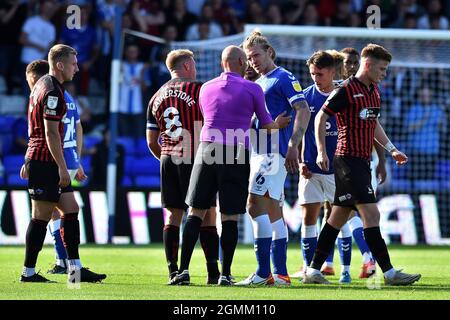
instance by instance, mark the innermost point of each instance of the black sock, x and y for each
(378, 247)
(228, 241)
(171, 238)
(34, 240)
(326, 241)
(209, 239)
(70, 234)
(190, 237)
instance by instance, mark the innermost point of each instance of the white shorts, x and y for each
(72, 173)
(267, 175)
(319, 188)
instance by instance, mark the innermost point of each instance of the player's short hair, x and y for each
(38, 67)
(376, 51)
(176, 57)
(350, 50)
(321, 59)
(59, 53)
(256, 38)
(338, 58)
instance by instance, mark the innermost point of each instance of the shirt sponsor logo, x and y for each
(52, 102)
(358, 95)
(50, 112)
(348, 196)
(369, 113)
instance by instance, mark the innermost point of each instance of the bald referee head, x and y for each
(234, 60)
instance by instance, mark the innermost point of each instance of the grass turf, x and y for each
(136, 272)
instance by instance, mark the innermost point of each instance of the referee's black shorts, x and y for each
(222, 169)
(175, 182)
(353, 181)
(43, 180)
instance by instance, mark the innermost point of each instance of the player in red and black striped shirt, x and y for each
(174, 114)
(356, 105)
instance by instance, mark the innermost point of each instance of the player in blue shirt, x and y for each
(316, 187)
(273, 156)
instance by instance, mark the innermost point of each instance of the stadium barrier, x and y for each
(410, 219)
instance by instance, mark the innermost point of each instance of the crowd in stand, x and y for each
(30, 28)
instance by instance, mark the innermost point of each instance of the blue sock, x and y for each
(358, 235)
(262, 250)
(330, 256)
(345, 250)
(308, 248)
(278, 253)
(59, 246)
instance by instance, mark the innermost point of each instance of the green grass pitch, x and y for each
(136, 272)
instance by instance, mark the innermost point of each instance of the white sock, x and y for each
(345, 269)
(355, 223)
(366, 257)
(55, 225)
(345, 231)
(75, 264)
(390, 273)
(329, 264)
(62, 263)
(309, 231)
(279, 230)
(28, 272)
(262, 228)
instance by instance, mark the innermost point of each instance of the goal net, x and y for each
(415, 200)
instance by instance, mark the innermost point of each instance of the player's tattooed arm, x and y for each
(301, 121)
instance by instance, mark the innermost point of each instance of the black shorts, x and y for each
(228, 178)
(174, 184)
(43, 181)
(353, 181)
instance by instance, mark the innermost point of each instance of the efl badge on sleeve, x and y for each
(297, 86)
(52, 102)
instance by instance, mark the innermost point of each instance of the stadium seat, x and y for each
(136, 166)
(6, 143)
(6, 123)
(128, 143)
(13, 105)
(426, 185)
(90, 141)
(443, 170)
(399, 185)
(86, 162)
(142, 148)
(127, 181)
(2, 180)
(13, 163)
(147, 181)
(15, 180)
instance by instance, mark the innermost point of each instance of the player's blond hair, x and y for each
(256, 38)
(176, 57)
(59, 53)
(338, 63)
(376, 51)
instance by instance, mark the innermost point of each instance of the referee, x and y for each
(356, 105)
(221, 165)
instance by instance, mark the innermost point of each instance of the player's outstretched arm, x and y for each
(301, 121)
(381, 137)
(319, 132)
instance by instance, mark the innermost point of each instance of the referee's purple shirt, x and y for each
(228, 102)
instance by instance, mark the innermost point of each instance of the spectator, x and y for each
(13, 14)
(273, 14)
(131, 119)
(294, 10)
(206, 28)
(434, 12)
(170, 34)
(158, 74)
(105, 31)
(423, 123)
(37, 36)
(149, 16)
(255, 13)
(84, 40)
(342, 17)
(82, 104)
(99, 162)
(181, 18)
